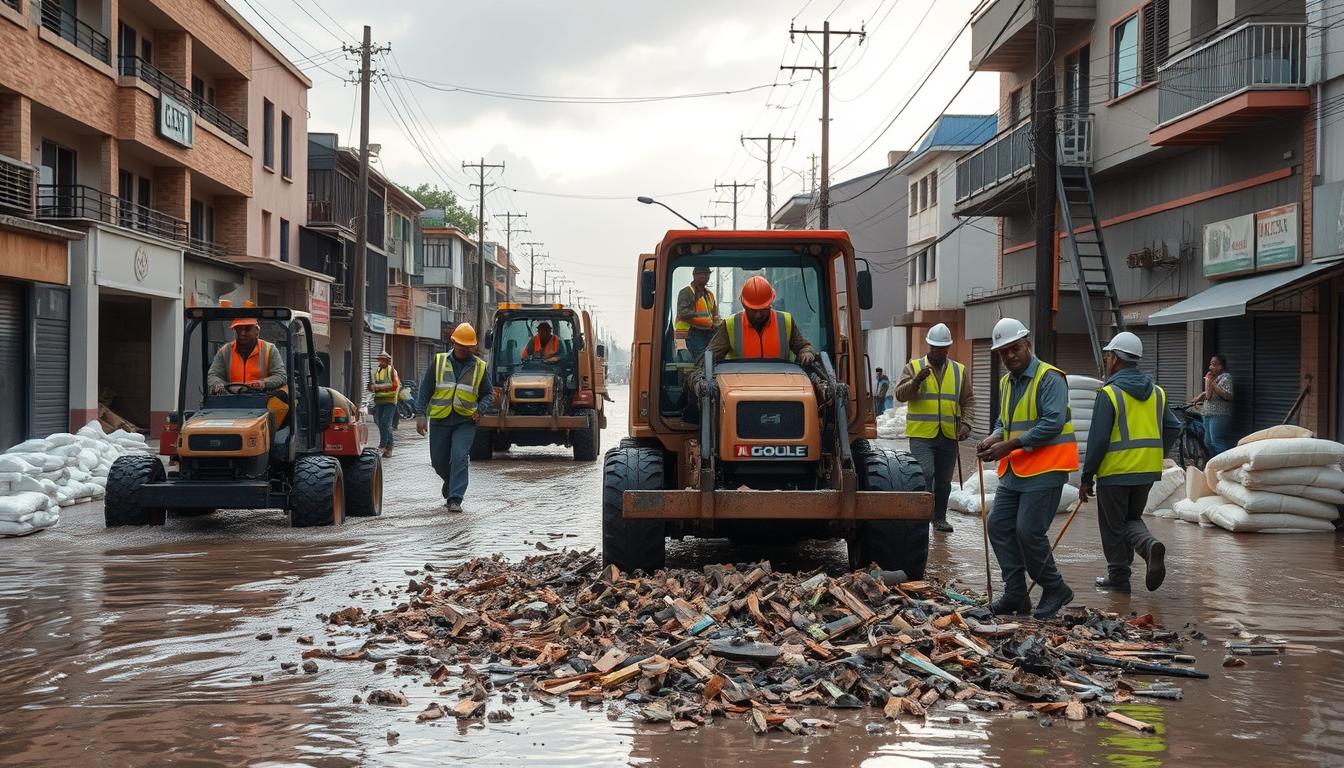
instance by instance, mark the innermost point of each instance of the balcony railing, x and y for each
(1009, 155)
(80, 34)
(206, 248)
(1257, 56)
(89, 204)
(17, 192)
(134, 66)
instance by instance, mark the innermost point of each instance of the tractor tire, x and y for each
(631, 544)
(895, 545)
(587, 442)
(317, 493)
(363, 476)
(482, 445)
(121, 505)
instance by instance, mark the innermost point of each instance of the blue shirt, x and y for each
(1052, 408)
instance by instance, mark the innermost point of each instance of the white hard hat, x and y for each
(1007, 331)
(939, 336)
(1127, 345)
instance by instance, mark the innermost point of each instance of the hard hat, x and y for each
(543, 324)
(1007, 331)
(701, 270)
(386, 354)
(244, 321)
(939, 336)
(1127, 345)
(464, 334)
(757, 293)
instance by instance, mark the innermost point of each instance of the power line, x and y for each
(552, 99)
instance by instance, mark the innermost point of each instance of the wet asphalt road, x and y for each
(136, 646)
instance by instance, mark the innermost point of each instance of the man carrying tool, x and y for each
(544, 346)
(938, 393)
(758, 331)
(385, 385)
(248, 359)
(459, 386)
(1132, 429)
(1034, 444)
(697, 313)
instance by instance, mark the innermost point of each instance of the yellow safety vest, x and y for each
(1136, 433)
(1059, 455)
(382, 376)
(706, 307)
(452, 395)
(936, 406)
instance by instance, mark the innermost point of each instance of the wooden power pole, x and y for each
(508, 248)
(1045, 171)
(481, 168)
(769, 140)
(735, 186)
(355, 376)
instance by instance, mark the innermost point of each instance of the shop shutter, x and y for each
(1277, 368)
(1164, 359)
(1233, 339)
(423, 353)
(1073, 354)
(51, 361)
(13, 361)
(983, 383)
(373, 344)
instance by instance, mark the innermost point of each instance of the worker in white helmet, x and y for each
(1034, 446)
(939, 393)
(1132, 429)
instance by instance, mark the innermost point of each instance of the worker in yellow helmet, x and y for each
(459, 387)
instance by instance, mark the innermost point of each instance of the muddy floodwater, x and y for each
(135, 647)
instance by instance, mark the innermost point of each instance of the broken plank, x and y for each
(1137, 725)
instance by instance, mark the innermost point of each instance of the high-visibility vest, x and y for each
(549, 349)
(451, 394)
(1136, 433)
(702, 316)
(936, 406)
(383, 377)
(1059, 455)
(772, 341)
(254, 367)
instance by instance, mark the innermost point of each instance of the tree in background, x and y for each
(454, 213)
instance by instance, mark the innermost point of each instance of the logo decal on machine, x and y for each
(770, 451)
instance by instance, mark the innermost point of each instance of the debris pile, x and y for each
(686, 646)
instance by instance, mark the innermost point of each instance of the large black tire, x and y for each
(317, 495)
(895, 545)
(631, 544)
(363, 476)
(482, 445)
(121, 505)
(587, 442)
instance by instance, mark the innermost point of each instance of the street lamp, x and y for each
(650, 201)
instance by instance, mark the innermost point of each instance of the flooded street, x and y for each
(138, 646)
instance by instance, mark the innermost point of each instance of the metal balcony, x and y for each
(205, 248)
(995, 179)
(1003, 35)
(134, 66)
(78, 33)
(17, 190)
(1234, 81)
(78, 202)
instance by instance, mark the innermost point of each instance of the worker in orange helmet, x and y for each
(248, 359)
(758, 331)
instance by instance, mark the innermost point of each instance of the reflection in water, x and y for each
(1129, 749)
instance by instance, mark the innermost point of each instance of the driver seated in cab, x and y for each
(251, 361)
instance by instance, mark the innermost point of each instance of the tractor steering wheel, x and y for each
(239, 388)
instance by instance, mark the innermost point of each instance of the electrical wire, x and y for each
(553, 99)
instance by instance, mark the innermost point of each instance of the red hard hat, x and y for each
(757, 293)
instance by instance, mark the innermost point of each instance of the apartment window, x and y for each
(284, 240)
(931, 265)
(912, 271)
(914, 198)
(1014, 106)
(1140, 44)
(933, 188)
(268, 134)
(266, 234)
(286, 150)
(438, 255)
(1077, 80)
(1125, 61)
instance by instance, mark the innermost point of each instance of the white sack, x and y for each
(1276, 454)
(1331, 478)
(20, 504)
(1197, 511)
(35, 522)
(1277, 432)
(122, 435)
(1264, 502)
(62, 438)
(30, 446)
(17, 464)
(1081, 435)
(1083, 382)
(66, 451)
(1068, 498)
(1332, 496)
(1238, 520)
(1196, 483)
(1161, 495)
(972, 484)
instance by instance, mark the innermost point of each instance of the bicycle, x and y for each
(1190, 446)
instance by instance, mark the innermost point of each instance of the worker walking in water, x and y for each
(459, 386)
(697, 313)
(385, 385)
(938, 393)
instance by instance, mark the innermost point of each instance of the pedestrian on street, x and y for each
(459, 386)
(936, 388)
(1034, 444)
(1132, 429)
(1217, 406)
(385, 385)
(882, 394)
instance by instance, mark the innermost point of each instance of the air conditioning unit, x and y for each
(1149, 257)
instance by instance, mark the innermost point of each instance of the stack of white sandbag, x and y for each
(891, 424)
(38, 477)
(965, 498)
(1167, 491)
(1082, 400)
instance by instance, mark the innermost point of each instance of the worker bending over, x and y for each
(459, 386)
(938, 392)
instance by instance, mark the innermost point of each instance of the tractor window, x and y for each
(515, 333)
(216, 334)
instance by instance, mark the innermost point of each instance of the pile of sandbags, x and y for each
(891, 424)
(1167, 491)
(1082, 400)
(965, 498)
(38, 477)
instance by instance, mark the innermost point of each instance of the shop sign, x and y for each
(381, 323)
(1276, 238)
(1228, 247)
(319, 306)
(176, 121)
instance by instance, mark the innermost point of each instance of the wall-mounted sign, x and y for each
(381, 323)
(1229, 247)
(1276, 238)
(319, 304)
(176, 121)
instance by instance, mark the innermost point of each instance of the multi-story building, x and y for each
(147, 125)
(441, 271)
(1187, 163)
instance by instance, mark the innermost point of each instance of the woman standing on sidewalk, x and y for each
(1217, 406)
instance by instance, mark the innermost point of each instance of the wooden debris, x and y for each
(1137, 725)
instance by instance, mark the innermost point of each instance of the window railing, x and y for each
(1010, 154)
(80, 34)
(17, 191)
(206, 248)
(80, 202)
(134, 66)
(1254, 56)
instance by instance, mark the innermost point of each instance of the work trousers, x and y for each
(450, 454)
(937, 456)
(1123, 531)
(697, 339)
(384, 414)
(1018, 530)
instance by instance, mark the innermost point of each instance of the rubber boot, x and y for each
(1011, 605)
(1157, 565)
(1112, 584)
(1052, 601)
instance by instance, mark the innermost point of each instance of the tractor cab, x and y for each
(536, 378)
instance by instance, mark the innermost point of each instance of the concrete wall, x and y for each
(876, 219)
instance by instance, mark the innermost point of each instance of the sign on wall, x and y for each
(381, 323)
(176, 121)
(1276, 238)
(319, 303)
(1228, 247)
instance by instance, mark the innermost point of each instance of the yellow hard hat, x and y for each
(465, 335)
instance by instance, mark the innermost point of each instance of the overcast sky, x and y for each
(673, 149)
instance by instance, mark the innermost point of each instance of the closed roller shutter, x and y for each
(13, 360)
(51, 361)
(982, 383)
(1164, 358)
(1264, 356)
(1073, 354)
(423, 352)
(373, 344)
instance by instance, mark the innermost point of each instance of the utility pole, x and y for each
(481, 168)
(813, 159)
(545, 285)
(735, 186)
(769, 140)
(532, 269)
(824, 197)
(355, 383)
(715, 218)
(508, 248)
(1046, 158)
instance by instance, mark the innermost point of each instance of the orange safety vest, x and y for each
(1059, 455)
(549, 349)
(253, 368)
(772, 341)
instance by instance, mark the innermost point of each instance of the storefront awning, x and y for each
(1229, 299)
(270, 269)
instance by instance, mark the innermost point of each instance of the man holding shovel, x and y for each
(938, 393)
